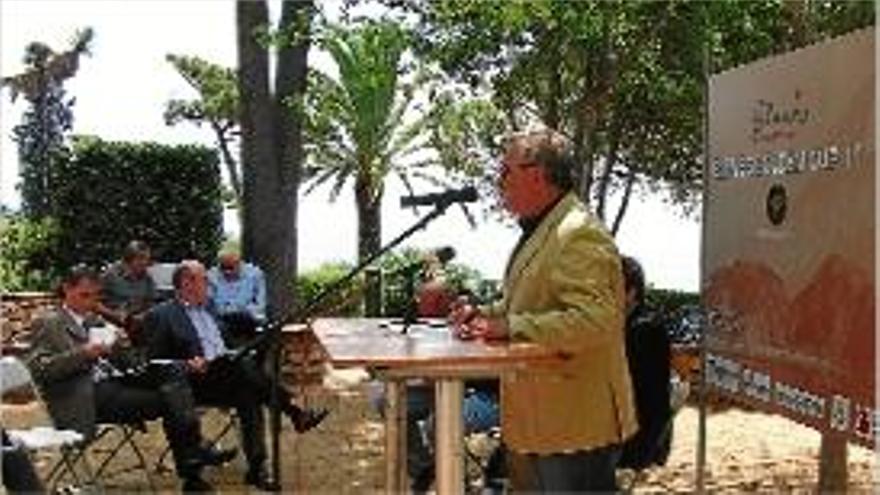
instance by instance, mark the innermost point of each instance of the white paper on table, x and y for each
(106, 335)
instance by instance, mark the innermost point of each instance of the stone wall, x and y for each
(17, 309)
(304, 362)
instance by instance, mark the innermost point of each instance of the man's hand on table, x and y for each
(468, 323)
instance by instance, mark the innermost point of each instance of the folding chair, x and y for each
(16, 378)
(107, 448)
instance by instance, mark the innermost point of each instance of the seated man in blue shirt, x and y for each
(237, 294)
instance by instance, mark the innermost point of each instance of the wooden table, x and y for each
(425, 351)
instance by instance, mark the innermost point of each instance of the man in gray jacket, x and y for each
(73, 359)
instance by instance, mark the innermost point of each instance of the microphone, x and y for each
(443, 199)
(444, 254)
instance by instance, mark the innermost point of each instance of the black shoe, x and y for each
(422, 483)
(259, 479)
(308, 419)
(196, 484)
(212, 456)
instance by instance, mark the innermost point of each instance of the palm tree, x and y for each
(356, 127)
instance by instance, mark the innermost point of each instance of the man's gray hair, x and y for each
(549, 149)
(184, 269)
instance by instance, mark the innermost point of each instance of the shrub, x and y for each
(460, 278)
(109, 193)
(311, 283)
(28, 254)
(670, 303)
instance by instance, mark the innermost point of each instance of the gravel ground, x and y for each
(747, 451)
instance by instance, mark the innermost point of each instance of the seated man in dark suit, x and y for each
(183, 329)
(77, 369)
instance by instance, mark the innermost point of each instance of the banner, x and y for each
(788, 235)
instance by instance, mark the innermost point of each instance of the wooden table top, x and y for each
(368, 342)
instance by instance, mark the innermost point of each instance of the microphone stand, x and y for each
(273, 329)
(411, 311)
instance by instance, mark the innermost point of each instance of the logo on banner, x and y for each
(774, 120)
(777, 204)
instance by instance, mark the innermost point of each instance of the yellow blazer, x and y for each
(564, 289)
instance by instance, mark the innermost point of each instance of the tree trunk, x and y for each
(257, 151)
(271, 148)
(228, 159)
(290, 88)
(832, 463)
(369, 218)
(624, 201)
(605, 179)
(554, 82)
(797, 15)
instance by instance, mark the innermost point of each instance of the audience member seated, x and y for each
(128, 290)
(648, 354)
(237, 294)
(74, 361)
(434, 295)
(184, 330)
(433, 299)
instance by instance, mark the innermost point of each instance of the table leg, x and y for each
(395, 437)
(449, 436)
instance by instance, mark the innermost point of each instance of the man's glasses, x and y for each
(504, 168)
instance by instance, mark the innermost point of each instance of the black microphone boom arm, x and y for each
(448, 197)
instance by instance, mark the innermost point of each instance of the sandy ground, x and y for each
(747, 451)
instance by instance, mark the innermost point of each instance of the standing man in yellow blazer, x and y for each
(563, 289)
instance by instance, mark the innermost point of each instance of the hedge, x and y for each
(109, 193)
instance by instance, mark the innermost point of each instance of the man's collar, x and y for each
(529, 224)
(78, 318)
(127, 273)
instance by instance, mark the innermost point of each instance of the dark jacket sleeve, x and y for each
(158, 333)
(169, 333)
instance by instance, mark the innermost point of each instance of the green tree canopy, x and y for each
(623, 79)
(217, 106)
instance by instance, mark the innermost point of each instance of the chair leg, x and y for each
(66, 466)
(142, 463)
(127, 438)
(161, 467)
(231, 423)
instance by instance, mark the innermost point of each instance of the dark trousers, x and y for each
(480, 412)
(243, 385)
(577, 472)
(158, 393)
(19, 475)
(419, 458)
(240, 328)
